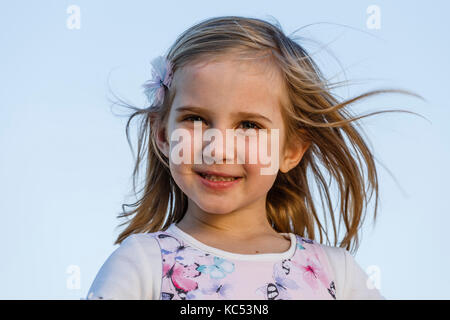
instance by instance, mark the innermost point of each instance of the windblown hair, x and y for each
(311, 113)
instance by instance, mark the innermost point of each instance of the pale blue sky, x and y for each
(65, 165)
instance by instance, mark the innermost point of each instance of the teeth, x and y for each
(218, 178)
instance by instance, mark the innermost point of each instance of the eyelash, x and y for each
(257, 126)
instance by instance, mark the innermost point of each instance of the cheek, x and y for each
(263, 151)
(186, 143)
(255, 177)
(263, 172)
(178, 174)
(184, 178)
(180, 154)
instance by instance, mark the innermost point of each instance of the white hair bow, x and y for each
(162, 75)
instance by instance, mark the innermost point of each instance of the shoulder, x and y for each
(138, 247)
(336, 255)
(132, 271)
(352, 282)
(140, 241)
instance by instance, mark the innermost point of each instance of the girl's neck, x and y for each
(243, 240)
(227, 226)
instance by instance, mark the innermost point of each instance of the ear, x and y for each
(293, 153)
(161, 139)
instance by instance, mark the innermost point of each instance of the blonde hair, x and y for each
(311, 114)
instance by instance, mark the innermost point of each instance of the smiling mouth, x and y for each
(211, 177)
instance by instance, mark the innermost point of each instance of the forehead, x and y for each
(230, 85)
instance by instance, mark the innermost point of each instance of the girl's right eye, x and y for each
(193, 118)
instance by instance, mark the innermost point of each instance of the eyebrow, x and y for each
(240, 113)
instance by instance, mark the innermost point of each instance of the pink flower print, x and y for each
(179, 267)
(182, 275)
(168, 262)
(312, 272)
(179, 273)
(180, 280)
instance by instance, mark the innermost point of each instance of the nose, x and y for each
(218, 145)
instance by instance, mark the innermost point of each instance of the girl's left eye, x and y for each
(246, 124)
(253, 125)
(193, 117)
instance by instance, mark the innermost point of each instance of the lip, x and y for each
(214, 173)
(218, 185)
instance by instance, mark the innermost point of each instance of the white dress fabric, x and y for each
(135, 270)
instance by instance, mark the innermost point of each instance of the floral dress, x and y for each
(192, 270)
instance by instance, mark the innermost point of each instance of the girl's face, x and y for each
(225, 95)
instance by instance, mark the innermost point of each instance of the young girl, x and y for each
(220, 228)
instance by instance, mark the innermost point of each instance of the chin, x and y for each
(214, 208)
